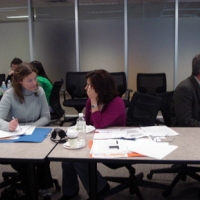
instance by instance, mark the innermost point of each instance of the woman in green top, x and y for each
(43, 80)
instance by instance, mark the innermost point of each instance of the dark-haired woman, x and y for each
(104, 108)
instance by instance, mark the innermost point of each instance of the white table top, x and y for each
(188, 151)
(26, 151)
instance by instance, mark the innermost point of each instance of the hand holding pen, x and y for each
(13, 124)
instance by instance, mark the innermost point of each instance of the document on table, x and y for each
(159, 131)
(150, 148)
(109, 148)
(22, 130)
(129, 134)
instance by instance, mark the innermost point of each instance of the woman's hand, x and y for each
(13, 124)
(92, 94)
(11, 72)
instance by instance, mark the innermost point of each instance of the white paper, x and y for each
(30, 130)
(150, 148)
(21, 130)
(109, 148)
(159, 131)
(133, 133)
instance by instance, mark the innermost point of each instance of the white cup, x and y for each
(72, 138)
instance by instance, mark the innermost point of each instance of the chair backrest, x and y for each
(143, 110)
(54, 99)
(120, 80)
(165, 106)
(151, 83)
(75, 84)
(2, 78)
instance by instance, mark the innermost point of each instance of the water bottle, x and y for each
(9, 84)
(1, 93)
(81, 128)
(3, 86)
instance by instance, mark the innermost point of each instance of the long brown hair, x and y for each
(21, 71)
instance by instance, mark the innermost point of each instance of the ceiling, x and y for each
(48, 10)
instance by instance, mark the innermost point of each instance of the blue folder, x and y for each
(38, 135)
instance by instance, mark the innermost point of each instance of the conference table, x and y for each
(29, 153)
(188, 152)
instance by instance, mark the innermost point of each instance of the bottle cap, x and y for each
(80, 114)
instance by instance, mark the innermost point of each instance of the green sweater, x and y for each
(46, 85)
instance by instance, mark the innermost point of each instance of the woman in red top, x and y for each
(104, 108)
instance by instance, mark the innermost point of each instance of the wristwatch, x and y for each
(94, 105)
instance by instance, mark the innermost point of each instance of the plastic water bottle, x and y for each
(81, 128)
(1, 92)
(3, 86)
(9, 84)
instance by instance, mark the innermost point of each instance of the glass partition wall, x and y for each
(150, 38)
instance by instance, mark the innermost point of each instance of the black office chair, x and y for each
(12, 184)
(182, 171)
(58, 112)
(142, 111)
(75, 84)
(2, 78)
(165, 108)
(120, 80)
(151, 83)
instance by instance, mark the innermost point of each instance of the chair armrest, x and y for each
(64, 95)
(128, 91)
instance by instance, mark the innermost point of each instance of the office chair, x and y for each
(120, 80)
(151, 83)
(58, 111)
(2, 78)
(75, 84)
(165, 108)
(12, 183)
(142, 111)
(182, 170)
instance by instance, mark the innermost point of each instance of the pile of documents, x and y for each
(153, 141)
(21, 130)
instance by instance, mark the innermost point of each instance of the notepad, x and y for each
(17, 132)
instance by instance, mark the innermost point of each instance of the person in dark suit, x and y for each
(185, 107)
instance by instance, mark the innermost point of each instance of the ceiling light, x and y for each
(17, 17)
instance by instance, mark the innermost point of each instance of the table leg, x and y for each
(93, 180)
(33, 194)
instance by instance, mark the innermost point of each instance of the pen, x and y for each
(123, 138)
(18, 123)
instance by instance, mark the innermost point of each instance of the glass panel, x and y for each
(13, 11)
(189, 37)
(14, 38)
(101, 35)
(54, 37)
(151, 39)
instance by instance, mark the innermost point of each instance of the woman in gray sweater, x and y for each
(25, 103)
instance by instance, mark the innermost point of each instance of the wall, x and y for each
(151, 46)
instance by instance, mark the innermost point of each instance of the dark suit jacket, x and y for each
(186, 104)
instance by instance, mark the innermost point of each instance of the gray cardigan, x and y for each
(34, 111)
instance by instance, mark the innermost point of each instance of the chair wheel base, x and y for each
(166, 193)
(149, 176)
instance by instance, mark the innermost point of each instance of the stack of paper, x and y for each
(23, 130)
(120, 142)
